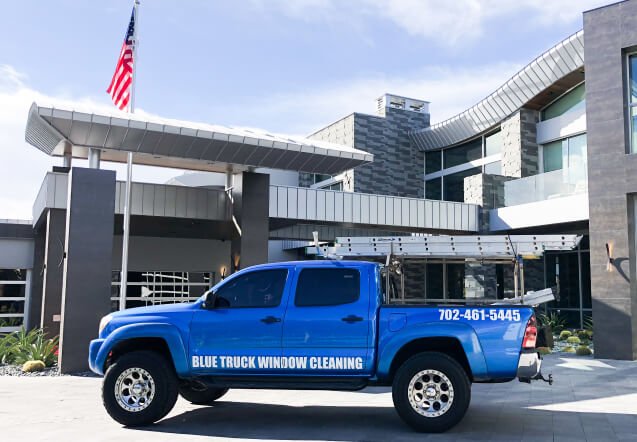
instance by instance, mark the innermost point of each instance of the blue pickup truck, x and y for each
(310, 325)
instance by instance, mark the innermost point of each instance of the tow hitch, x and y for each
(538, 377)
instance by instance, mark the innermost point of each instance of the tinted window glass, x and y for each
(463, 154)
(262, 288)
(454, 184)
(433, 161)
(322, 287)
(433, 189)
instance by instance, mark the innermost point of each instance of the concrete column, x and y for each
(87, 266)
(34, 305)
(53, 272)
(251, 194)
(609, 34)
(94, 158)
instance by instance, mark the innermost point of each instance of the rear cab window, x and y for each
(321, 287)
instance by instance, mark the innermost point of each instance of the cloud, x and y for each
(446, 23)
(23, 167)
(450, 90)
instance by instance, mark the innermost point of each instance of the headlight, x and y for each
(104, 322)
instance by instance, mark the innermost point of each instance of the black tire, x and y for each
(165, 388)
(458, 402)
(205, 396)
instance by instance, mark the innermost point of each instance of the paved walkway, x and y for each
(591, 400)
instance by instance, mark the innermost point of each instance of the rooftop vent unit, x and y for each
(403, 103)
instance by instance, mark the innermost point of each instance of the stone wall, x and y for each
(487, 191)
(398, 166)
(519, 145)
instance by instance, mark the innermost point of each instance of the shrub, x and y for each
(554, 320)
(589, 333)
(22, 346)
(564, 335)
(588, 323)
(583, 335)
(583, 350)
(568, 349)
(543, 350)
(32, 366)
(573, 340)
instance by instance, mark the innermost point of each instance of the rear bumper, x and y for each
(529, 366)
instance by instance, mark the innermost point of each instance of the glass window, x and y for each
(633, 78)
(463, 154)
(565, 102)
(493, 168)
(552, 156)
(633, 128)
(262, 288)
(454, 184)
(632, 102)
(577, 152)
(455, 281)
(493, 144)
(433, 161)
(324, 287)
(433, 189)
(13, 275)
(434, 283)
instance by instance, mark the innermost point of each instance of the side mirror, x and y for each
(209, 300)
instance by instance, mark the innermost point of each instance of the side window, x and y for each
(262, 288)
(323, 287)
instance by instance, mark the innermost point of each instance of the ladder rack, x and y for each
(483, 248)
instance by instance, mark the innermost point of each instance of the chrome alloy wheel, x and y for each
(134, 389)
(430, 393)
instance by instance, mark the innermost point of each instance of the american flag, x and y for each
(122, 82)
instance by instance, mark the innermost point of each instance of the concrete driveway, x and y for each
(591, 400)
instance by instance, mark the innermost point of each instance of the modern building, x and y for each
(552, 151)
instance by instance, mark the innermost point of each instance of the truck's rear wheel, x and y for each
(431, 392)
(204, 396)
(140, 388)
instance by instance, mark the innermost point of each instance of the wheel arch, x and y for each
(161, 338)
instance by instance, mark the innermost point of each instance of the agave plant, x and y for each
(21, 346)
(554, 320)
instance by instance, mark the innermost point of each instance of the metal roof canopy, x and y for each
(185, 145)
(488, 247)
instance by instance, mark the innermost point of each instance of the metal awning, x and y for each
(179, 144)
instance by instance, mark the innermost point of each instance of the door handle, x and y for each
(270, 320)
(352, 319)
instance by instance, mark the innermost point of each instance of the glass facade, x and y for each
(433, 189)
(453, 185)
(433, 161)
(567, 153)
(464, 153)
(493, 144)
(632, 101)
(13, 283)
(153, 288)
(566, 102)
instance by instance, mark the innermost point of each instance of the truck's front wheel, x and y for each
(140, 388)
(431, 392)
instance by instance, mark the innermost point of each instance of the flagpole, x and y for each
(129, 176)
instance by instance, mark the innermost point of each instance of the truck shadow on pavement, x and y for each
(484, 421)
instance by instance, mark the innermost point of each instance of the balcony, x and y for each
(546, 186)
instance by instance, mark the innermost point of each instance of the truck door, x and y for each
(244, 325)
(327, 321)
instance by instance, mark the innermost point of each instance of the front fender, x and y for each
(465, 334)
(100, 348)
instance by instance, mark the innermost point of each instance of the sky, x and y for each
(285, 66)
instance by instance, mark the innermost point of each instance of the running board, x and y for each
(283, 383)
